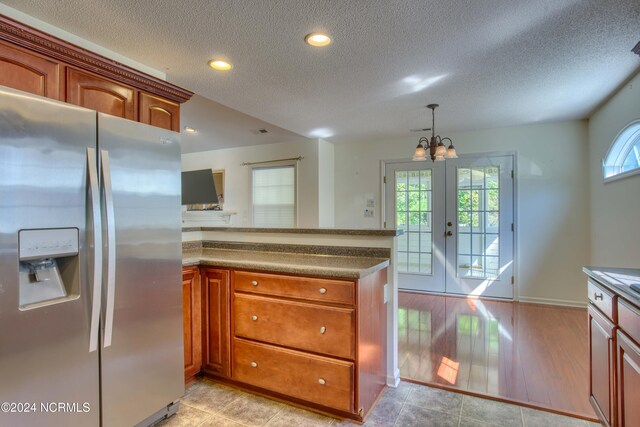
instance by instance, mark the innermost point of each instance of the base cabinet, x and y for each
(602, 360)
(628, 366)
(191, 318)
(614, 356)
(216, 347)
(316, 342)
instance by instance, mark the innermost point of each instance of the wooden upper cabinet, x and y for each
(39, 63)
(100, 94)
(29, 72)
(159, 112)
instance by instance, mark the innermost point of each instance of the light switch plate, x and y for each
(368, 213)
(385, 292)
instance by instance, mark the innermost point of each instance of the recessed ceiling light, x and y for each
(317, 39)
(188, 129)
(220, 65)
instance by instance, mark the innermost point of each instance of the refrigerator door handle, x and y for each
(94, 192)
(111, 246)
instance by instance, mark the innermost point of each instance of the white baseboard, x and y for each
(394, 381)
(552, 301)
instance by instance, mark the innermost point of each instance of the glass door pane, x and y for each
(414, 217)
(479, 248)
(414, 203)
(478, 216)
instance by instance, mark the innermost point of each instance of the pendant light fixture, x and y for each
(437, 151)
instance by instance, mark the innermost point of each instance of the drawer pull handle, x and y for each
(254, 282)
(323, 329)
(321, 381)
(323, 291)
(598, 296)
(254, 365)
(254, 318)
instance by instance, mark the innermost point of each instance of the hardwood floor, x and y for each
(528, 353)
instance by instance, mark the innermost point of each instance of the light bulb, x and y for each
(441, 150)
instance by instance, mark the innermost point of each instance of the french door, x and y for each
(457, 218)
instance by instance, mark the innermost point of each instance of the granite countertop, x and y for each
(336, 231)
(618, 280)
(329, 266)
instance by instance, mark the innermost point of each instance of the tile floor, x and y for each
(208, 404)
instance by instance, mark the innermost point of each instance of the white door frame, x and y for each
(516, 214)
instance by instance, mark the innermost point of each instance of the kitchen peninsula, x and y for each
(303, 315)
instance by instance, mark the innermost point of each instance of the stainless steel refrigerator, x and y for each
(90, 265)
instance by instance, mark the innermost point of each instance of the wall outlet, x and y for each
(368, 213)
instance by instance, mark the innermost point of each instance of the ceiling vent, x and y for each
(636, 49)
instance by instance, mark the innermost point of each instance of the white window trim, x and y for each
(293, 163)
(619, 152)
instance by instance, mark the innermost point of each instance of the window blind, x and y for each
(274, 196)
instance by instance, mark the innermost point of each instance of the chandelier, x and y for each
(437, 151)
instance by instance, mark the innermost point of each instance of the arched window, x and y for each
(623, 158)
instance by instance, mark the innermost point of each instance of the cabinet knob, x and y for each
(449, 233)
(323, 291)
(254, 282)
(254, 318)
(323, 329)
(598, 296)
(321, 381)
(254, 365)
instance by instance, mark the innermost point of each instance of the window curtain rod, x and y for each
(271, 161)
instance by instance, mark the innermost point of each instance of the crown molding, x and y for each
(35, 40)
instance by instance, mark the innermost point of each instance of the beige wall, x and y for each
(326, 184)
(552, 218)
(615, 206)
(237, 178)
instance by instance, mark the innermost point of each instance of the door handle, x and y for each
(94, 193)
(449, 233)
(111, 246)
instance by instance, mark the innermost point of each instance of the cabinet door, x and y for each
(628, 382)
(23, 70)
(601, 365)
(191, 317)
(159, 112)
(215, 322)
(100, 94)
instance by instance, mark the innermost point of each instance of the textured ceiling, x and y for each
(487, 63)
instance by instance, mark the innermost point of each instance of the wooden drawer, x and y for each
(629, 320)
(317, 379)
(326, 290)
(603, 299)
(312, 327)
